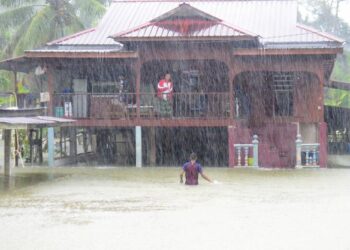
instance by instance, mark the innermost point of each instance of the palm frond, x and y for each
(89, 11)
(8, 51)
(14, 17)
(39, 31)
(17, 3)
(75, 26)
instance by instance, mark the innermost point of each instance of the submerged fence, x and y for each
(307, 154)
(247, 154)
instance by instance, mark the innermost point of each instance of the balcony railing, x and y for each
(307, 154)
(247, 154)
(124, 106)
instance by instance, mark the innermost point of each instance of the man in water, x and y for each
(191, 169)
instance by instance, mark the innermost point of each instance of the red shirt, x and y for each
(192, 171)
(165, 90)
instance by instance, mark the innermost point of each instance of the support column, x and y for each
(153, 146)
(323, 140)
(15, 86)
(51, 146)
(7, 152)
(138, 145)
(137, 69)
(16, 148)
(232, 97)
(231, 148)
(50, 89)
(73, 143)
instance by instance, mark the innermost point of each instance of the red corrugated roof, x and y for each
(273, 21)
(183, 21)
(155, 30)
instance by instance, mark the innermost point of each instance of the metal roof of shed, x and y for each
(28, 122)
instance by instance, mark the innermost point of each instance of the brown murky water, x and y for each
(127, 208)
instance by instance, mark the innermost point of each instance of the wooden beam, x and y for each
(15, 84)
(71, 54)
(337, 85)
(51, 89)
(137, 70)
(185, 39)
(273, 52)
(231, 89)
(153, 123)
(150, 53)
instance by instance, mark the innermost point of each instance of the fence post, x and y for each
(255, 151)
(298, 143)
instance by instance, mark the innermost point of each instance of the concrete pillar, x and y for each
(7, 152)
(256, 151)
(231, 147)
(323, 140)
(51, 146)
(138, 145)
(298, 143)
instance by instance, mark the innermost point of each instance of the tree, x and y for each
(27, 24)
(324, 15)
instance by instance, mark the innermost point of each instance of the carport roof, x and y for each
(30, 122)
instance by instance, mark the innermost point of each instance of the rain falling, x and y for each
(174, 124)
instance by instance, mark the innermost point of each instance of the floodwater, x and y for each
(128, 208)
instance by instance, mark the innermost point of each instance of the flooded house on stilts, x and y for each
(239, 69)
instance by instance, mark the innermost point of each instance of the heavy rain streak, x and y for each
(174, 124)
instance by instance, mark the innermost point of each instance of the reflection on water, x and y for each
(129, 208)
(21, 180)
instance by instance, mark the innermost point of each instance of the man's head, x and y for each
(193, 157)
(167, 76)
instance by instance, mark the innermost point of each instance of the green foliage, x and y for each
(341, 71)
(5, 82)
(337, 98)
(323, 15)
(28, 24)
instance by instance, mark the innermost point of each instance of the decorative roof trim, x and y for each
(320, 33)
(185, 7)
(276, 52)
(71, 36)
(122, 36)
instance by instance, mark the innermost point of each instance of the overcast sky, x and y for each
(345, 11)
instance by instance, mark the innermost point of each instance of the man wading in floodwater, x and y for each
(191, 170)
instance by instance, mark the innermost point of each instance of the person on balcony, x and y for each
(191, 170)
(165, 94)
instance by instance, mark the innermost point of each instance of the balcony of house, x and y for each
(117, 95)
(122, 108)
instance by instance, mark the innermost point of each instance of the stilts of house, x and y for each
(239, 68)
